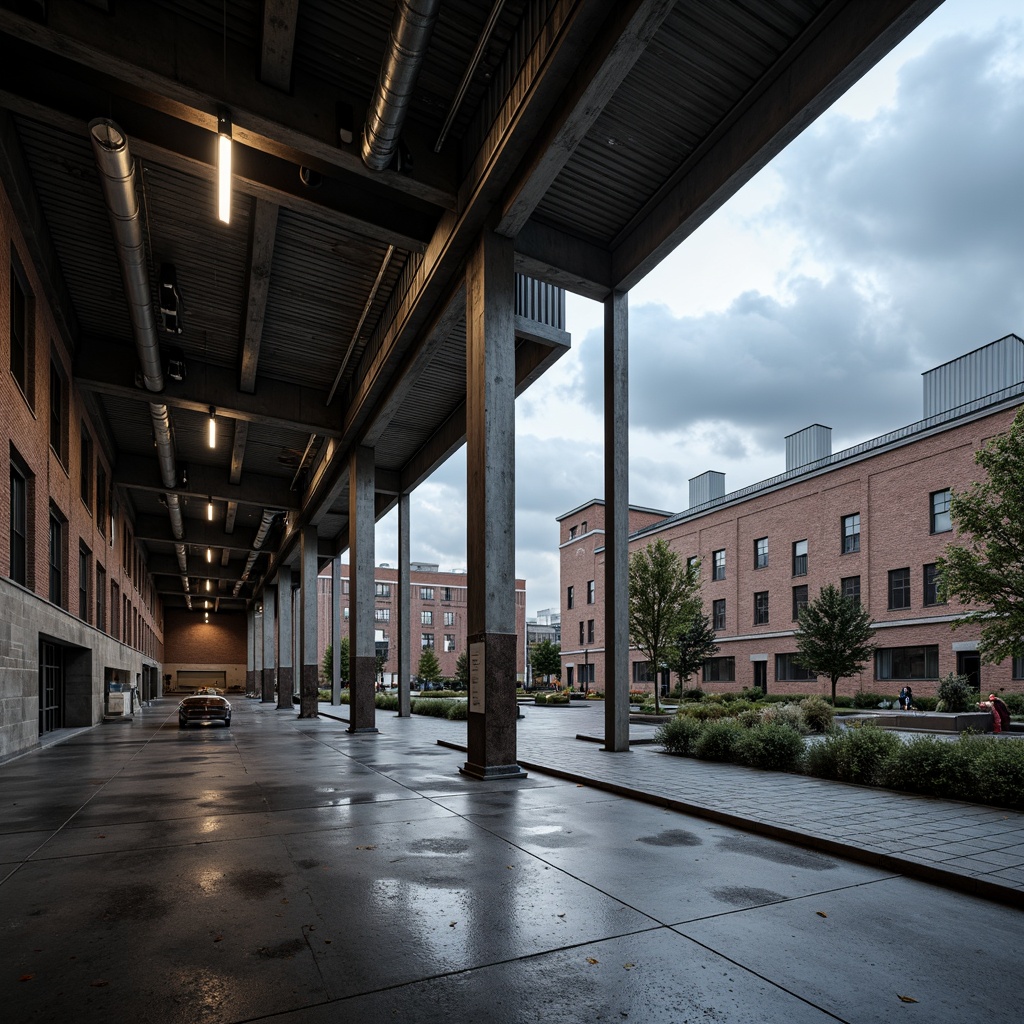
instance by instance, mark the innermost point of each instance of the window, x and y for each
(569, 595)
(449, 642)
(940, 518)
(761, 608)
(344, 586)
(800, 558)
(787, 670)
(101, 598)
(58, 417)
(583, 526)
(590, 631)
(381, 614)
(426, 618)
(101, 501)
(585, 674)
(718, 614)
(720, 670)
(931, 585)
(572, 532)
(115, 600)
(1018, 668)
(84, 574)
(19, 524)
(345, 612)
(22, 322)
(85, 468)
(761, 553)
(446, 593)
(851, 533)
(582, 628)
(449, 618)
(718, 565)
(799, 600)
(899, 588)
(426, 593)
(641, 672)
(590, 592)
(56, 558)
(907, 662)
(850, 588)
(427, 640)
(382, 589)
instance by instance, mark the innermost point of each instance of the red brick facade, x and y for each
(889, 487)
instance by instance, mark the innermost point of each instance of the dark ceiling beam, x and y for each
(141, 473)
(186, 70)
(56, 98)
(277, 44)
(608, 61)
(263, 231)
(839, 46)
(109, 369)
(550, 255)
(167, 565)
(198, 532)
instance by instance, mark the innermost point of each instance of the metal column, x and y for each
(362, 671)
(310, 678)
(404, 630)
(336, 603)
(285, 664)
(490, 503)
(269, 636)
(616, 525)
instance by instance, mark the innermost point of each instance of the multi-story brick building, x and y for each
(872, 520)
(437, 616)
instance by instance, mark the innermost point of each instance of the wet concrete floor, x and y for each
(284, 870)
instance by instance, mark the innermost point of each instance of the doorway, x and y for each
(51, 687)
(761, 676)
(968, 663)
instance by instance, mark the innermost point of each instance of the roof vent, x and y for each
(707, 487)
(808, 445)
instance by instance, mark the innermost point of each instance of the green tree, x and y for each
(546, 659)
(429, 669)
(691, 645)
(661, 592)
(462, 670)
(835, 636)
(987, 569)
(328, 664)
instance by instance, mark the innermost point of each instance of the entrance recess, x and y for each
(51, 687)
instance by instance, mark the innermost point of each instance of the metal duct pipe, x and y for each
(269, 515)
(410, 36)
(117, 176)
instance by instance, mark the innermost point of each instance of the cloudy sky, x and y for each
(886, 239)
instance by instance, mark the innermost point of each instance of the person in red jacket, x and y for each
(1000, 712)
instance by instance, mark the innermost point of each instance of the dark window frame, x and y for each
(899, 589)
(940, 519)
(761, 608)
(788, 671)
(19, 526)
(930, 585)
(718, 564)
(58, 412)
(570, 597)
(721, 669)
(22, 330)
(84, 581)
(800, 599)
(57, 558)
(906, 660)
(850, 535)
(591, 591)
(85, 468)
(799, 558)
(718, 614)
(849, 587)
(590, 631)
(761, 553)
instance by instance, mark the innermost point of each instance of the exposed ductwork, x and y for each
(269, 515)
(117, 176)
(410, 36)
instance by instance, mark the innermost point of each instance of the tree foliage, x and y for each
(692, 643)
(328, 663)
(835, 636)
(546, 658)
(987, 569)
(462, 670)
(429, 668)
(662, 592)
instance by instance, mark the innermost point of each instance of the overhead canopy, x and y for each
(330, 311)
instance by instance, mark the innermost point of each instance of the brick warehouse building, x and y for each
(437, 615)
(872, 520)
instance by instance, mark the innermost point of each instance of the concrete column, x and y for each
(337, 601)
(490, 503)
(309, 679)
(296, 633)
(616, 525)
(269, 636)
(285, 661)
(403, 631)
(257, 648)
(362, 663)
(250, 650)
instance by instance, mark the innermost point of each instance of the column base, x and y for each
(367, 728)
(494, 771)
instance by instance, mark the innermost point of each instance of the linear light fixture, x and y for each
(213, 427)
(209, 554)
(207, 586)
(224, 166)
(209, 510)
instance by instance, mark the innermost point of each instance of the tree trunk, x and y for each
(835, 679)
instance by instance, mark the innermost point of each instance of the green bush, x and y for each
(458, 712)
(385, 701)
(717, 740)
(706, 712)
(439, 694)
(696, 694)
(433, 707)
(592, 695)
(866, 699)
(956, 693)
(853, 755)
(783, 698)
(777, 747)
(679, 735)
(784, 714)
(999, 766)
(1015, 702)
(749, 718)
(752, 693)
(323, 695)
(817, 714)
(925, 703)
(555, 698)
(842, 701)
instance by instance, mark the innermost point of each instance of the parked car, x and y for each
(204, 707)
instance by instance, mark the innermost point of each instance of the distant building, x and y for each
(437, 615)
(872, 520)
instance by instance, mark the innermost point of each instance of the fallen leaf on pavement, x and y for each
(821, 913)
(907, 999)
(591, 960)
